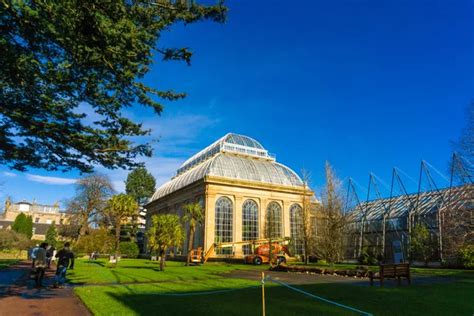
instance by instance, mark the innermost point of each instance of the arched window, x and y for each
(273, 224)
(224, 224)
(296, 228)
(249, 224)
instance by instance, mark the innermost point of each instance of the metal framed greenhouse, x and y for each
(377, 226)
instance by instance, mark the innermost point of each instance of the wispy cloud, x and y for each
(178, 139)
(50, 180)
(9, 174)
(179, 135)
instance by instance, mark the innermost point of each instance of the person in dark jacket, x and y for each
(65, 260)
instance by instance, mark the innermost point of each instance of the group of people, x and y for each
(43, 254)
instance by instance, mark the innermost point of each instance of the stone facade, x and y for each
(236, 181)
(42, 215)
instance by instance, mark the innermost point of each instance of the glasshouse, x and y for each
(383, 227)
(239, 185)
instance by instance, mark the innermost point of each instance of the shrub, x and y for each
(129, 249)
(99, 240)
(422, 244)
(466, 256)
(367, 257)
(11, 240)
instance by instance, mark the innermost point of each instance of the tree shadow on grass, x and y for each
(242, 301)
(99, 263)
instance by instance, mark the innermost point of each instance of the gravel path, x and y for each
(296, 278)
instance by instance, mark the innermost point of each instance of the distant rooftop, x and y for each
(33, 207)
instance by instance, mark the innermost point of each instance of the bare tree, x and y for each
(332, 220)
(457, 229)
(465, 145)
(307, 214)
(87, 206)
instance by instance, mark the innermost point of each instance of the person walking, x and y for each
(49, 255)
(65, 259)
(33, 255)
(40, 264)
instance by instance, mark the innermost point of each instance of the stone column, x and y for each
(263, 213)
(286, 219)
(237, 225)
(209, 222)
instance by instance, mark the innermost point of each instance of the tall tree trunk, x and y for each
(305, 243)
(162, 258)
(84, 225)
(192, 228)
(117, 237)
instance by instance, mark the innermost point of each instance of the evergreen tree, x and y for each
(29, 227)
(62, 60)
(52, 235)
(23, 224)
(19, 223)
(140, 184)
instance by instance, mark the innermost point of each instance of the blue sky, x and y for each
(366, 85)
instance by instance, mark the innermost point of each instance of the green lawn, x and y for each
(135, 270)
(179, 291)
(7, 262)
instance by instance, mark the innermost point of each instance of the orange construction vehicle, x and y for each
(262, 254)
(261, 251)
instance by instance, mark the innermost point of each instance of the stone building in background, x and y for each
(42, 215)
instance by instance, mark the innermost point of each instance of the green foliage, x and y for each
(19, 223)
(140, 184)
(23, 224)
(165, 231)
(29, 227)
(12, 240)
(466, 256)
(119, 209)
(52, 235)
(194, 215)
(367, 257)
(62, 60)
(422, 245)
(99, 240)
(129, 249)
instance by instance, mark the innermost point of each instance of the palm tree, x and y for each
(165, 231)
(119, 209)
(195, 216)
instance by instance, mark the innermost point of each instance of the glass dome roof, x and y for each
(233, 157)
(242, 140)
(238, 144)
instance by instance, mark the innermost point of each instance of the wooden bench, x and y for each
(391, 271)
